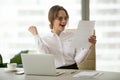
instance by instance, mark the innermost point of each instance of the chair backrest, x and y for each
(90, 62)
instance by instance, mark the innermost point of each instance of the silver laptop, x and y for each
(39, 64)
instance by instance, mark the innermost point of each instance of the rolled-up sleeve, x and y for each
(40, 44)
(81, 55)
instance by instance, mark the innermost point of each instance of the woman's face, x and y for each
(60, 22)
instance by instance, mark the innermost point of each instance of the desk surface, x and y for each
(66, 76)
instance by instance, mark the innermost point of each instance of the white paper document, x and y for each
(84, 31)
(88, 74)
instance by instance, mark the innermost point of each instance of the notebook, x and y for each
(39, 64)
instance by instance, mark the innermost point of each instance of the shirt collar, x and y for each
(54, 34)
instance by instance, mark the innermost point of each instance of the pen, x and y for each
(72, 72)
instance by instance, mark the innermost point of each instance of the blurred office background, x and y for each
(17, 15)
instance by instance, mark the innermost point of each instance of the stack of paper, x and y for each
(84, 31)
(87, 74)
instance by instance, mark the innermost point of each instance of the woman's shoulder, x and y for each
(67, 34)
(69, 31)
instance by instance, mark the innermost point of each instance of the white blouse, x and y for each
(60, 46)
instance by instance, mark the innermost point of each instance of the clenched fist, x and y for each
(33, 30)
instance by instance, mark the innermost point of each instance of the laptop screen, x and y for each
(38, 64)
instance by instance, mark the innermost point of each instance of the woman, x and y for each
(58, 40)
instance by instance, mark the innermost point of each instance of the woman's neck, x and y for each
(57, 32)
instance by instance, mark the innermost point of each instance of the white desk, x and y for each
(66, 76)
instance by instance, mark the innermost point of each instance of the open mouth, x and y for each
(62, 25)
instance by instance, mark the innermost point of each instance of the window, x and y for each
(106, 14)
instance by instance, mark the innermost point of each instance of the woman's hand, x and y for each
(92, 40)
(33, 30)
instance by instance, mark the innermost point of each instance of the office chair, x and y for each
(90, 62)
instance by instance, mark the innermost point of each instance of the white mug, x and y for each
(11, 66)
